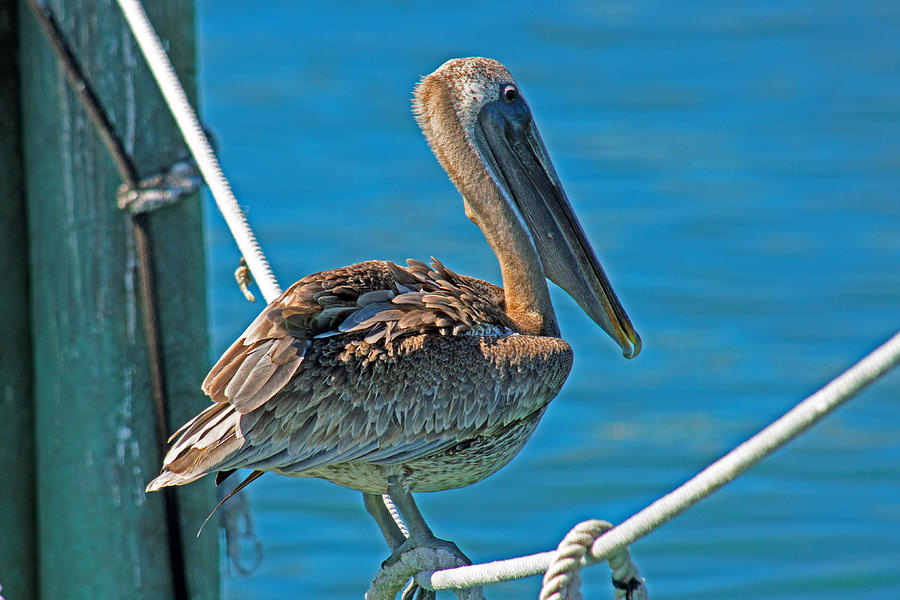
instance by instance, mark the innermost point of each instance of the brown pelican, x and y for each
(389, 379)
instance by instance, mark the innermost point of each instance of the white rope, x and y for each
(189, 124)
(562, 580)
(789, 426)
(395, 514)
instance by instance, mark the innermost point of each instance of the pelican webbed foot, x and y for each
(420, 535)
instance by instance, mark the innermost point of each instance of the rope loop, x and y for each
(562, 581)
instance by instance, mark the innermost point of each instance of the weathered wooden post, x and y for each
(99, 535)
(17, 499)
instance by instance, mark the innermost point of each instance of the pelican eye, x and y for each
(509, 93)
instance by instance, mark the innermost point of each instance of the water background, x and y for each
(737, 168)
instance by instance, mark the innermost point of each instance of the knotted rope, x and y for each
(562, 581)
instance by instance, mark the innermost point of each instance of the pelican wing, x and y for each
(372, 362)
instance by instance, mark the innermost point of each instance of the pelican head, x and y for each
(479, 126)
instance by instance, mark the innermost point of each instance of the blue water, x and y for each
(737, 167)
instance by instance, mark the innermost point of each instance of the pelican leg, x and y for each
(389, 529)
(420, 533)
(375, 506)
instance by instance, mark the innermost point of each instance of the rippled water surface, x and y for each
(737, 168)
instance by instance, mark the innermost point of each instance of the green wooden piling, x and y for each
(17, 499)
(100, 535)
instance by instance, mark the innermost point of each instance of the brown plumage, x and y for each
(374, 369)
(391, 379)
